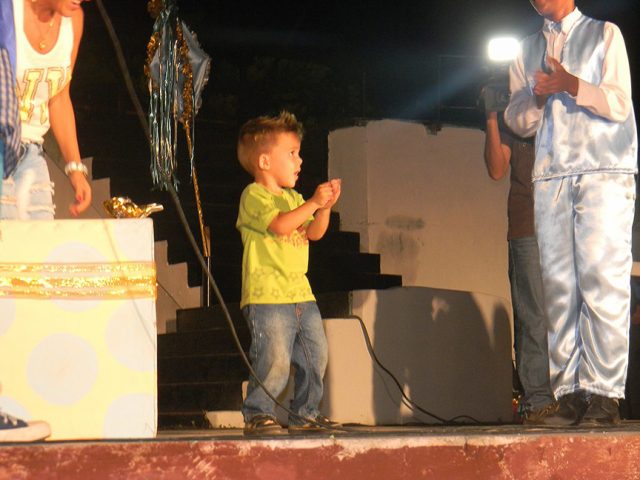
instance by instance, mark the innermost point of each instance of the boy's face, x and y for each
(554, 10)
(284, 160)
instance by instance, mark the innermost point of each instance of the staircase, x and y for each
(200, 367)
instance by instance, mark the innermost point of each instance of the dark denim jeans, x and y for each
(530, 323)
(281, 336)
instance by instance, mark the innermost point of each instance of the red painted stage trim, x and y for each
(579, 455)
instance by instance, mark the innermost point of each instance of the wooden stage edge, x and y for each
(371, 453)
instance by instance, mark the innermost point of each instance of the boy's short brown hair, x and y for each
(257, 135)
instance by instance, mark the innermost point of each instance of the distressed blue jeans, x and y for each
(529, 322)
(28, 193)
(281, 336)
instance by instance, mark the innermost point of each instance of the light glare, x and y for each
(503, 49)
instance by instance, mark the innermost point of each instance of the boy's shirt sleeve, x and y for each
(257, 209)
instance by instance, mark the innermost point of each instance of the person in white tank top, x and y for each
(48, 34)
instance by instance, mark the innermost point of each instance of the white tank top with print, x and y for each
(40, 76)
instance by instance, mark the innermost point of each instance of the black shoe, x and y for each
(318, 424)
(538, 416)
(261, 424)
(602, 412)
(567, 411)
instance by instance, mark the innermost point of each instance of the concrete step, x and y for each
(204, 396)
(169, 420)
(174, 292)
(331, 305)
(209, 367)
(218, 340)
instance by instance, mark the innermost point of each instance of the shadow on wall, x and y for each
(400, 243)
(450, 359)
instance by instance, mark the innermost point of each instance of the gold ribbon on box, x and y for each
(79, 281)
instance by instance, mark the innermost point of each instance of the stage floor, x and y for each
(371, 453)
(435, 431)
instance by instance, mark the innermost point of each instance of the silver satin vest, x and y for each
(570, 139)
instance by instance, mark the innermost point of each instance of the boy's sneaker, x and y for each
(15, 430)
(318, 424)
(261, 424)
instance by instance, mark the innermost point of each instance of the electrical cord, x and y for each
(183, 219)
(405, 399)
(122, 63)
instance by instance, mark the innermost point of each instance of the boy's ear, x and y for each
(264, 162)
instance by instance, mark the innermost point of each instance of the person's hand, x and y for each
(336, 185)
(556, 81)
(82, 189)
(541, 100)
(322, 195)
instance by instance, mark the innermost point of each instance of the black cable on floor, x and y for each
(405, 399)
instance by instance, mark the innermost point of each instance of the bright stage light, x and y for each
(503, 49)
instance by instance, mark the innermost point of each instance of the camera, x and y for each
(495, 96)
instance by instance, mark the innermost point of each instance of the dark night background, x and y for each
(331, 63)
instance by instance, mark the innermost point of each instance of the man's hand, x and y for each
(82, 195)
(559, 80)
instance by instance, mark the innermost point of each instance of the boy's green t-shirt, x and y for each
(274, 267)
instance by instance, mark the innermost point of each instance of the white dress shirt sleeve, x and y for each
(522, 114)
(610, 99)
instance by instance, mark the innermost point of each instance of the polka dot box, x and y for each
(78, 326)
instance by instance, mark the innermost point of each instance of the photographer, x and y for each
(503, 149)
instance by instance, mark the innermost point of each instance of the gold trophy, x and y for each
(123, 207)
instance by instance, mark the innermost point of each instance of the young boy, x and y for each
(571, 86)
(276, 223)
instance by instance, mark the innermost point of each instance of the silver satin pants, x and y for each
(583, 226)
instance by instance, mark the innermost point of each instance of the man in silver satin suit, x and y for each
(571, 87)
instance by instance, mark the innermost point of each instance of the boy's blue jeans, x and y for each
(281, 336)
